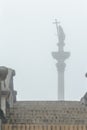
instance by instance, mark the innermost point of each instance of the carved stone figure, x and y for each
(84, 99)
(61, 34)
(3, 73)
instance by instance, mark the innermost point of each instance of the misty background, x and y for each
(27, 38)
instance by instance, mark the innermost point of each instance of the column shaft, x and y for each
(61, 85)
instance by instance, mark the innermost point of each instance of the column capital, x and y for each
(61, 66)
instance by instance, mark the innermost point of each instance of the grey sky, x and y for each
(27, 38)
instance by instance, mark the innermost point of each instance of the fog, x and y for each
(27, 38)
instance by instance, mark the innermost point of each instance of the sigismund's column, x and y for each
(60, 56)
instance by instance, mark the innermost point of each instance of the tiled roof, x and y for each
(48, 112)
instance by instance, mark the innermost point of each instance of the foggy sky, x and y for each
(27, 38)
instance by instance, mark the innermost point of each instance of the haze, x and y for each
(27, 38)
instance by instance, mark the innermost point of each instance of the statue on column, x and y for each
(61, 34)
